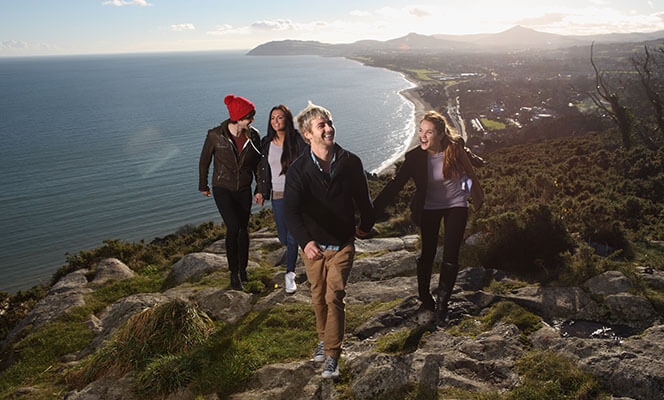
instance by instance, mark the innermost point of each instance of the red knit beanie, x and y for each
(238, 107)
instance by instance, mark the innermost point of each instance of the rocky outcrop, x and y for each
(633, 367)
(112, 269)
(107, 388)
(223, 305)
(382, 267)
(608, 283)
(69, 292)
(432, 358)
(194, 266)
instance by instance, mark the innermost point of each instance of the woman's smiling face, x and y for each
(430, 139)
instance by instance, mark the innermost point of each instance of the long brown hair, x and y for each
(451, 143)
(290, 146)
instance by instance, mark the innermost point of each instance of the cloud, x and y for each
(276, 25)
(225, 29)
(120, 3)
(20, 47)
(360, 13)
(418, 12)
(183, 27)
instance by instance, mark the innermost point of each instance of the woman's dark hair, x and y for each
(290, 150)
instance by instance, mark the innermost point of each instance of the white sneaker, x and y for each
(291, 287)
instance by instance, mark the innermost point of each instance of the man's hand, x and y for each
(258, 199)
(206, 193)
(312, 251)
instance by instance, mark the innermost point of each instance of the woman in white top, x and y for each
(444, 177)
(280, 147)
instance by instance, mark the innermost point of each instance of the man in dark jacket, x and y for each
(323, 188)
(235, 146)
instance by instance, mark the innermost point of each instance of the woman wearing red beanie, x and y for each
(234, 145)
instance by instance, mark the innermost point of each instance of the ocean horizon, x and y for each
(107, 146)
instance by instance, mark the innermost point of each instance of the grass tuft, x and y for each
(505, 311)
(547, 375)
(166, 329)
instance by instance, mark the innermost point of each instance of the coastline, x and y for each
(420, 107)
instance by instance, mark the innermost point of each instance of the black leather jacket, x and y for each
(234, 168)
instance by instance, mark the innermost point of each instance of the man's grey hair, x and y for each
(310, 112)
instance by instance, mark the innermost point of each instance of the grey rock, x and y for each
(631, 310)
(652, 277)
(260, 243)
(411, 242)
(94, 324)
(296, 380)
(112, 268)
(192, 267)
(631, 368)
(477, 239)
(480, 298)
(387, 290)
(472, 278)
(481, 364)
(106, 388)
(402, 315)
(71, 281)
(223, 305)
(377, 375)
(382, 267)
(379, 244)
(276, 257)
(610, 282)
(218, 247)
(263, 233)
(49, 308)
(558, 302)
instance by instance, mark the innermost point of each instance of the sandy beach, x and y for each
(421, 107)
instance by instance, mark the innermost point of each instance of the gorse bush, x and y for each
(143, 257)
(528, 243)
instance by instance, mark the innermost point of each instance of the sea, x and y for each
(107, 146)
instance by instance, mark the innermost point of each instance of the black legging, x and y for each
(235, 209)
(455, 225)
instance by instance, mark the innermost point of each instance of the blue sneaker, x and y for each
(319, 354)
(331, 369)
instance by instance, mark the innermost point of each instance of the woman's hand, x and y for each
(477, 195)
(258, 199)
(206, 193)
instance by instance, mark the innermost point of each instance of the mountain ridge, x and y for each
(513, 39)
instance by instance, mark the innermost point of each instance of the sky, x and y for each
(59, 27)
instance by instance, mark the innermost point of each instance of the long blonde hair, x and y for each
(451, 143)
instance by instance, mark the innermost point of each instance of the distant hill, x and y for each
(515, 38)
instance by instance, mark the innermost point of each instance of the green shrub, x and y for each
(529, 244)
(35, 356)
(581, 266)
(14, 307)
(547, 375)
